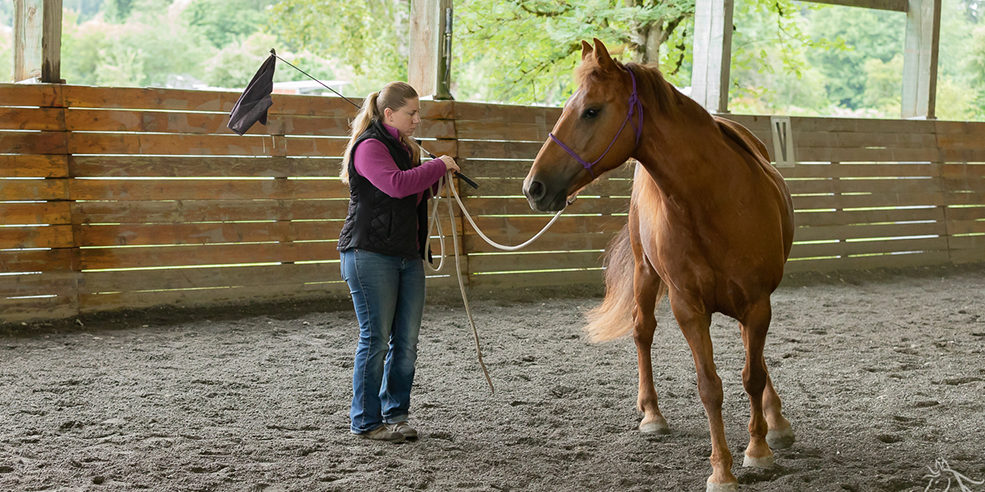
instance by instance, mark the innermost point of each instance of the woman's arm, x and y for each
(373, 161)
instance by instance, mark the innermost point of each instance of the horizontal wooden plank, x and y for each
(33, 166)
(866, 139)
(503, 130)
(550, 241)
(198, 145)
(870, 185)
(965, 185)
(514, 187)
(91, 303)
(148, 98)
(869, 200)
(868, 247)
(33, 189)
(518, 229)
(533, 261)
(585, 279)
(438, 110)
(30, 94)
(191, 278)
(519, 206)
(868, 155)
(175, 211)
(34, 142)
(962, 170)
(221, 166)
(976, 226)
(51, 260)
(193, 100)
(52, 119)
(859, 170)
(97, 120)
(504, 113)
(224, 254)
(137, 234)
(31, 309)
(469, 149)
(181, 189)
(39, 284)
(890, 5)
(480, 168)
(848, 217)
(868, 231)
(55, 236)
(868, 262)
(35, 213)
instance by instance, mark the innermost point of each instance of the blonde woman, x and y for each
(382, 246)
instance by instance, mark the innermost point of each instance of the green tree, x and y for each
(371, 36)
(145, 51)
(864, 34)
(769, 72)
(976, 67)
(883, 90)
(225, 22)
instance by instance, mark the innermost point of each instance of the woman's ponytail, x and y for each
(362, 121)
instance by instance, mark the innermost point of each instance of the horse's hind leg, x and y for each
(755, 324)
(780, 434)
(694, 324)
(648, 288)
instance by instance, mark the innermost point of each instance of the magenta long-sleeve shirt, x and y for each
(374, 162)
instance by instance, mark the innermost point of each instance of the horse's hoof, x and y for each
(722, 487)
(780, 438)
(654, 426)
(763, 462)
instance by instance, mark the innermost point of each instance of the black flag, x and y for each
(253, 103)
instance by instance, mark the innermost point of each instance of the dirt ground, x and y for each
(881, 373)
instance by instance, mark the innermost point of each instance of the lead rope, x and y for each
(447, 185)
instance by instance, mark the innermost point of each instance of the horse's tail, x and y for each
(614, 317)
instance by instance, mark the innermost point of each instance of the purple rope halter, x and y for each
(635, 106)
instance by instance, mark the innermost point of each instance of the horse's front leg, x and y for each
(648, 287)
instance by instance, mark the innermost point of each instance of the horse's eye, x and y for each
(590, 113)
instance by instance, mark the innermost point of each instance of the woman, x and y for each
(383, 245)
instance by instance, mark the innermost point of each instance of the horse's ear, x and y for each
(586, 50)
(602, 55)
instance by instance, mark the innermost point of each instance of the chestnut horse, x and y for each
(710, 226)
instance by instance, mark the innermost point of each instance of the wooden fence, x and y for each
(126, 198)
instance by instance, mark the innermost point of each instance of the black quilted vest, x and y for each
(376, 221)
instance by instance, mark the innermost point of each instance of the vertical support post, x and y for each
(429, 65)
(923, 20)
(27, 39)
(51, 43)
(712, 54)
(37, 40)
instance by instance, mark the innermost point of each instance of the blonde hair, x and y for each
(394, 96)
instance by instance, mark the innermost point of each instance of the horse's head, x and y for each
(597, 131)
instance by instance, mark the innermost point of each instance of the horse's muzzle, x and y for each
(543, 197)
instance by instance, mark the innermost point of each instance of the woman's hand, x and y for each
(450, 164)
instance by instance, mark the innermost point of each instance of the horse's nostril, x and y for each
(535, 191)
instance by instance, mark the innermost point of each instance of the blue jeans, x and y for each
(388, 295)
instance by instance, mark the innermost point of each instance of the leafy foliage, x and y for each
(788, 57)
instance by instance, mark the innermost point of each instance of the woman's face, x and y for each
(406, 118)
